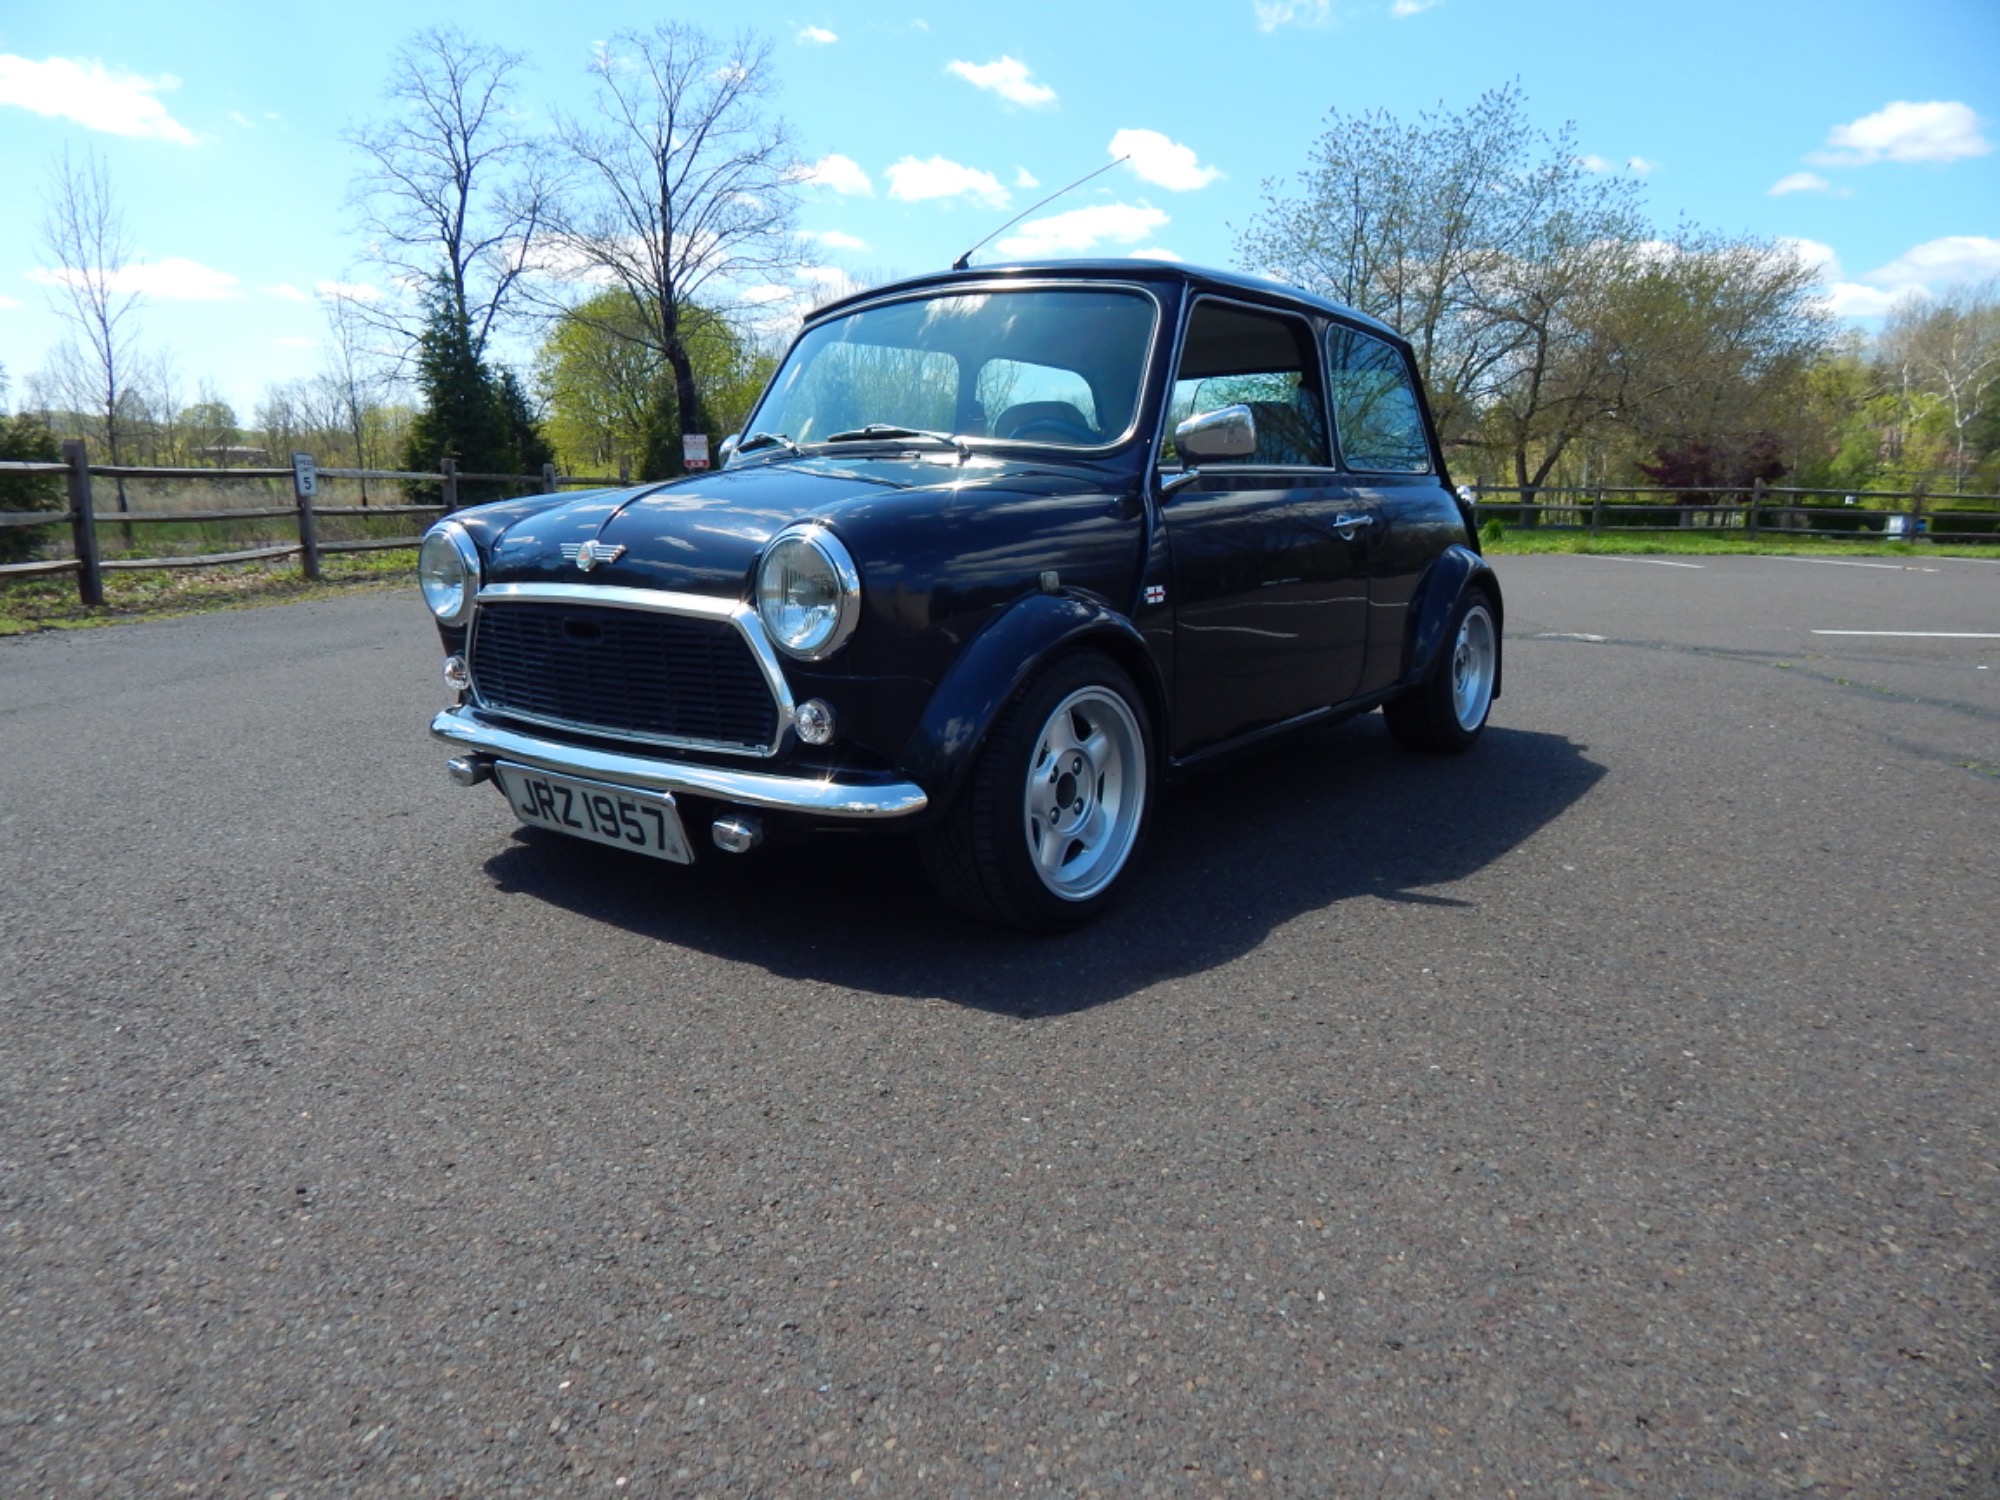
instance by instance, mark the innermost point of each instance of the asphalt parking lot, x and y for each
(1615, 1110)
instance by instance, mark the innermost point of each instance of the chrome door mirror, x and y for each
(1210, 436)
(728, 448)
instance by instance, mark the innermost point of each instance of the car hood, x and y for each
(704, 534)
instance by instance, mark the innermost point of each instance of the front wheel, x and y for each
(1448, 708)
(1046, 828)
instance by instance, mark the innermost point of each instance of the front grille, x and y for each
(627, 673)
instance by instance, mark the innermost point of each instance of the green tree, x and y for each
(470, 415)
(27, 439)
(611, 397)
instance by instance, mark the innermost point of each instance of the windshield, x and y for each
(1058, 366)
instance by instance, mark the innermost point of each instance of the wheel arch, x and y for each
(994, 665)
(1456, 569)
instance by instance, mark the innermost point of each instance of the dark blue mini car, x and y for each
(999, 552)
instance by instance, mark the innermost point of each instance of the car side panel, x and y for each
(1416, 520)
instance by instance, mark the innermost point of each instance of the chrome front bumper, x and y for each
(759, 789)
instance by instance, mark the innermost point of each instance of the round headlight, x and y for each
(808, 593)
(448, 572)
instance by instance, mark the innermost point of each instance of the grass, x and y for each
(32, 604)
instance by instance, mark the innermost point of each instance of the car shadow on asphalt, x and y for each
(1337, 815)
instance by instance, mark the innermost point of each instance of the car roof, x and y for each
(1200, 278)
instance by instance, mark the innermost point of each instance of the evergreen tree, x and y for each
(470, 414)
(26, 439)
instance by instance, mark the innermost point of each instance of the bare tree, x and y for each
(352, 380)
(1950, 348)
(83, 234)
(451, 196)
(686, 193)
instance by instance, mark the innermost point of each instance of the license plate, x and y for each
(644, 822)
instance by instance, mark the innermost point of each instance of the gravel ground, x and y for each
(1610, 1111)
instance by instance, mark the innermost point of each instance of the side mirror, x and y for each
(1210, 436)
(728, 448)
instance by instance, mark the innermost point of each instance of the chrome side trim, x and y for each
(698, 606)
(763, 789)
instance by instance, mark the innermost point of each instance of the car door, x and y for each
(1269, 585)
(1393, 479)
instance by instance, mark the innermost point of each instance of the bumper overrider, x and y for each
(480, 743)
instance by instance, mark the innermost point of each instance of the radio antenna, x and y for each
(965, 260)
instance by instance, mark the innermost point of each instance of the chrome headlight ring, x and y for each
(448, 572)
(808, 592)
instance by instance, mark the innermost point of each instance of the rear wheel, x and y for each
(1448, 708)
(1044, 833)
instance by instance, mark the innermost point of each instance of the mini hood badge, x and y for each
(587, 555)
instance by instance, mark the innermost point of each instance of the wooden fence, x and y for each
(89, 564)
(1844, 515)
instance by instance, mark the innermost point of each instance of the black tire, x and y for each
(1447, 710)
(1046, 830)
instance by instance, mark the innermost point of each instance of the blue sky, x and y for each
(1866, 131)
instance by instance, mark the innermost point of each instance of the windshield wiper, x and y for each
(889, 432)
(769, 440)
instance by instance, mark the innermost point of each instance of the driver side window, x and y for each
(1265, 361)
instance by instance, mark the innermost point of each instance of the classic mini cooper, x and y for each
(999, 551)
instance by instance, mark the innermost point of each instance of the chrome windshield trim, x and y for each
(696, 606)
(760, 789)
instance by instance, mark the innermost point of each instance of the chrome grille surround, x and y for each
(735, 613)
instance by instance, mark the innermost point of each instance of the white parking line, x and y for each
(1842, 562)
(1923, 635)
(1658, 562)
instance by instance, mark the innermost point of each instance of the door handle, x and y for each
(1347, 525)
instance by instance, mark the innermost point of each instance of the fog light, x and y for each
(457, 675)
(814, 721)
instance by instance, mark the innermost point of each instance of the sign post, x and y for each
(694, 451)
(305, 485)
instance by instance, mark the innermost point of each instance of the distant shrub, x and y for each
(24, 437)
(1492, 531)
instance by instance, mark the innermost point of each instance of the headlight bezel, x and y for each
(845, 610)
(460, 548)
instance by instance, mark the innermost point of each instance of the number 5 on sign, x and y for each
(305, 476)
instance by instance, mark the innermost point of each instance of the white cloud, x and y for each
(284, 291)
(1939, 263)
(353, 291)
(1081, 230)
(1023, 178)
(1162, 162)
(174, 279)
(815, 36)
(1404, 8)
(1937, 131)
(96, 97)
(835, 239)
(913, 181)
(1271, 14)
(1638, 166)
(1815, 254)
(6, 302)
(237, 117)
(1007, 78)
(1156, 252)
(1849, 299)
(1800, 182)
(839, 174)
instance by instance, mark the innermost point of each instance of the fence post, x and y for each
(448, 482)
(1597, 512)
(305, 485)
(1917, 513)
(1756, 500)
(548, 479)
(624, 471)
(83, 523)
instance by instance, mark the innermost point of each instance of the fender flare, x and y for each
(1455, 570)
(991, 669)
